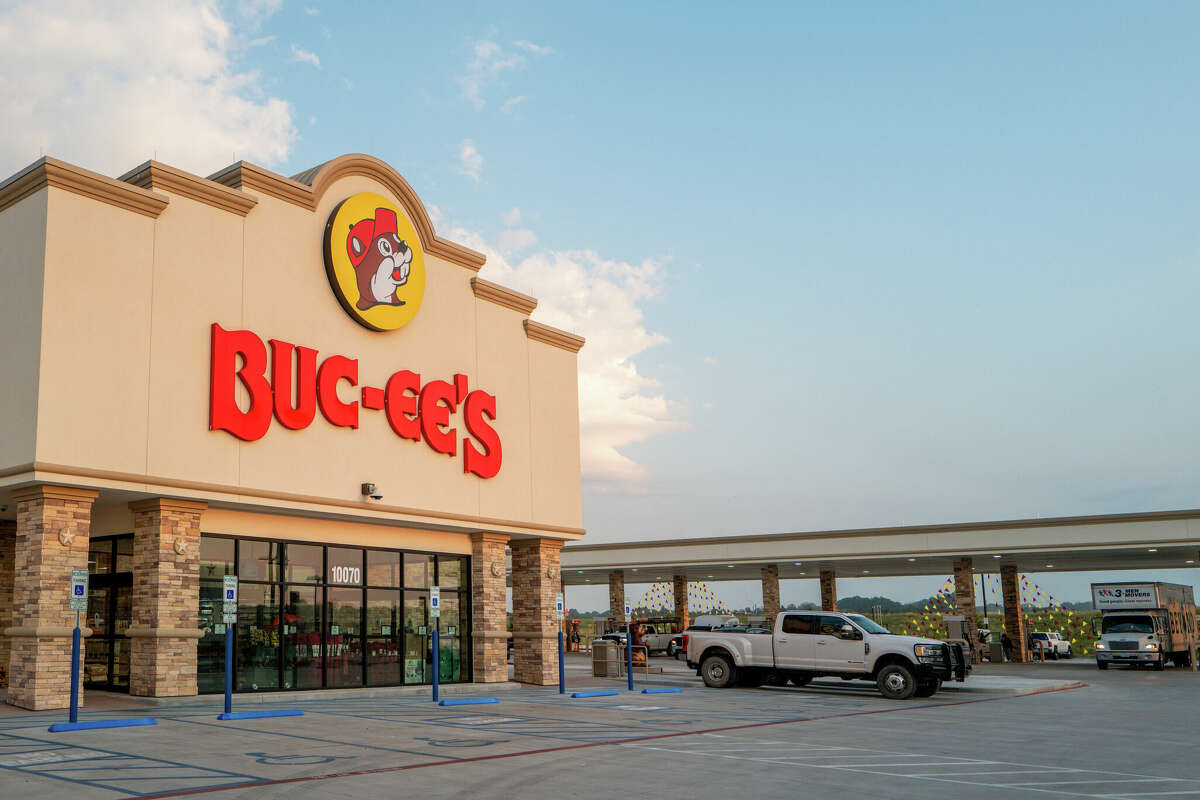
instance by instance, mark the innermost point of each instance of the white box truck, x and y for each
(1145, 624)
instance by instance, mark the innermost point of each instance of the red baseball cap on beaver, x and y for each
(364, 232)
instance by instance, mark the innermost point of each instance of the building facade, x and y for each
(294, 381)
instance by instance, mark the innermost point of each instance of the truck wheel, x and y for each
(718, 672)
(896, 682)
(1101, 665)
(800, 679)
(928, 688)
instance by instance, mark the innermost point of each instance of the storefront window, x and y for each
(313, 616)
(303, 563)
(258, 561)
(124, 554)
(216, 561)
(216, 558)
(417, 644)
(345, 566)
(418, 571)
(450, 633)
(450, 572)
(258, 636)
(343, 635)
(383, 637)
(100, 556)
(302, 637)
(383, 568)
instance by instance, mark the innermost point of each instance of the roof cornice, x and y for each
(156, 175)
(366, 166)
(553, 336)
(244, 175)
(500, 295)
(954, 527)
(77, 180)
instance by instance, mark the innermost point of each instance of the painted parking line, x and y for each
(953, 769)
(97, 767)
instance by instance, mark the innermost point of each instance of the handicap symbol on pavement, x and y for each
(460, 742)
(299, 760)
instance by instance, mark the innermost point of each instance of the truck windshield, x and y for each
(866, 624)
(1127, 625)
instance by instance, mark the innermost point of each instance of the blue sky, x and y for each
(838, 265)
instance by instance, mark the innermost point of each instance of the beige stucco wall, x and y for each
(124, 385)
(22, 252)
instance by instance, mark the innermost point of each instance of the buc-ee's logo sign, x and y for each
(377, 270)
(374, 261)
(293, 386)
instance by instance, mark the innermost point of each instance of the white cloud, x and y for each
(470, 162)
(489, 61)
(518, 239)
(305, 56)
(260, 41)
(600, 299)
(256, 12)
(711, 360)
(536, 49)
(110, 85)
(511, 103)
(512, 217)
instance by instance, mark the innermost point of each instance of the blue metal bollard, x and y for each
(228, 669)
(75, 638)
(562, 667)
(629, 654)
(436, 666)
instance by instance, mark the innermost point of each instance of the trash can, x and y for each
(606, 659)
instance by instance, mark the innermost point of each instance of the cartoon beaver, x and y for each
(381, 259)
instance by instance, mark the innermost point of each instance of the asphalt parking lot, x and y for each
(1125, 734)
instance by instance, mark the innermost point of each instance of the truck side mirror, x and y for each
(850, 632)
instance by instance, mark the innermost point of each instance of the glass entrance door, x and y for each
(109, 613)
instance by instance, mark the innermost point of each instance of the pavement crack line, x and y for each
(444, 762)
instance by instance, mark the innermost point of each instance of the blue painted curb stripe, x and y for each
(469, 701)
(661, 691)
(285, 712)
(102, 723)
(595, 694)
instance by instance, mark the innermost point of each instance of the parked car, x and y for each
(806, 645)
(1053, 644)
(655, 642)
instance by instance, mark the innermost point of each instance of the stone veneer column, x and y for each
(535, 570)
(616, 596)
(53, 528)
(964, 603)
(682, 613)
(489, 617)
(8, 549)
(828, 590)
(166, 596)
(770, 593)
(1014, 616)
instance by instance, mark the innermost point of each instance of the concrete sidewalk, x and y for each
(675, 673)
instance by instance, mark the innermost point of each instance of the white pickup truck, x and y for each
(810, 644)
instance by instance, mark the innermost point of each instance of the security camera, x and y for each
(372, 491)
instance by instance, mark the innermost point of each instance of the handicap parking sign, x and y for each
(79, 590)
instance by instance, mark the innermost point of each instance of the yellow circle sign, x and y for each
(374, 261)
